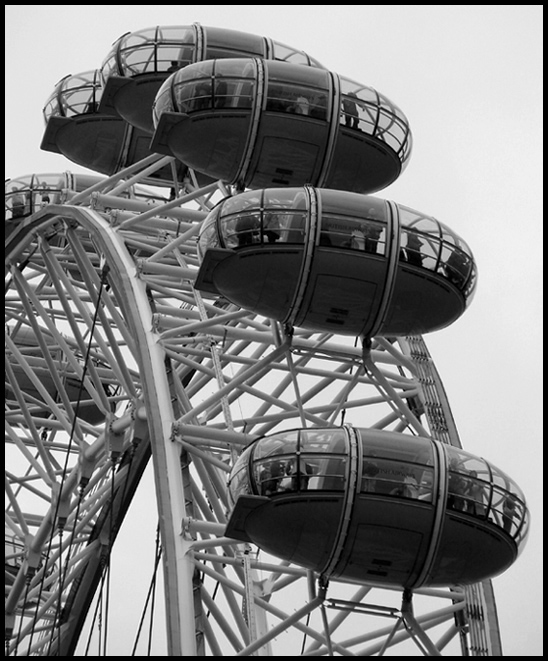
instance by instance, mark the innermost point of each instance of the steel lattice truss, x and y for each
(102, 318)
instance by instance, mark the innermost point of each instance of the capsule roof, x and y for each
(154, 53)
(379, 507)
(260, 123)
(335, 261)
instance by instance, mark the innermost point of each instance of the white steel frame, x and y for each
(197, 379)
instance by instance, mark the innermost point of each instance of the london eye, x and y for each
(229, 299)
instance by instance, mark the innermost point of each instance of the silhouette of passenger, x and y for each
(457, 488)
(277, 99)
(411, 253)
(221, 91)
(475, 494)
(17, 204)
(508, 513)
(202, 100)
(456, 267)
(270, 227)
(408, 489)
(372, 236)
(369, 471)
(318, 107)
(350, 111)
(301, 105)
(270, 477)
(247, 230)
(300, 473)
(174, 66)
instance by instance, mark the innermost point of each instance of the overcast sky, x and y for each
(469, 78)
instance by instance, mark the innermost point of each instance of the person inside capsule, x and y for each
(26, 195)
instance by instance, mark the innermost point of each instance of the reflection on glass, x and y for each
(484, 491)
(26, 195)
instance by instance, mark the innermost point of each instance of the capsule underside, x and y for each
(343, 294)
(216, 144)
(302, 529)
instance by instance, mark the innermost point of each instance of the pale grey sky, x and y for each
(469, 78)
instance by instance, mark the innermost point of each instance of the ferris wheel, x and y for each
(256, 334)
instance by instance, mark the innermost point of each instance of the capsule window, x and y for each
(523, 529)
(505, 511)
(75, 95)
(468, 494)
(353, 234)
(163, 102)
(401, 469)
(271, 459)
(418, 222)
(394, 478)
(462, 462)
(391, 129)
(419, 250)
(139, 60)
(252, 227)
(208, 235)
(230, 93)
(502, 480)
(242, 229)
(392, 125)
(359, 106)
(288, 99)
(174, 35)
(170, 57)
(110, 67)
(138, 39)
(26, 195)
(316, 440)
(17, 203)
(364, 109)
(230, 43)
(52, 107)
(300, 472)
(288, 54)
(233, 68)
(470, 286)
(456, 266)
(320, 472)
(285, 443)
(297, 461)
(239, 481)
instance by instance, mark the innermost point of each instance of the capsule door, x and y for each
(294, 129)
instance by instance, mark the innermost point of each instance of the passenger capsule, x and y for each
(76, 128)
(81, 400)
(377, 507)
(139, 62)
(258, 123)
(27, 194)
(334, 261)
